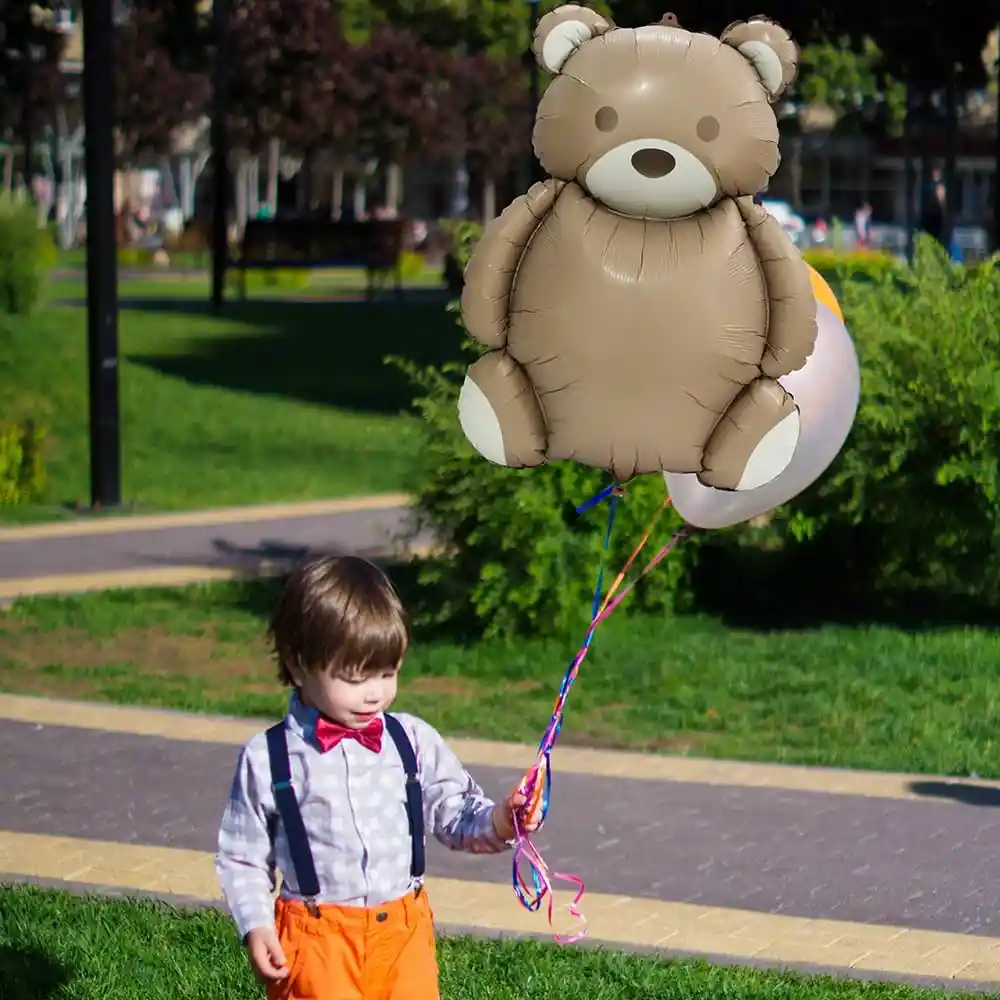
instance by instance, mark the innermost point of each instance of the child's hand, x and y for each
(266, 956)
(503, 814)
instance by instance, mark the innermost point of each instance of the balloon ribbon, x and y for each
(536, 785)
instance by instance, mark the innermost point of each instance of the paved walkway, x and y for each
(179, 549)
(876, 875)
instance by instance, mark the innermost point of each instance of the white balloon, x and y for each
(827, 390)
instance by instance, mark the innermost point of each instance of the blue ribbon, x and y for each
(612, 491)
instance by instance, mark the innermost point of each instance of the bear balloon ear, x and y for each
(769, 49)
(562, 31)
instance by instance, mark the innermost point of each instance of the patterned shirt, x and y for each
(353, 805)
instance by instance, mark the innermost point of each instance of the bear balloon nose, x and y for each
(653, 162)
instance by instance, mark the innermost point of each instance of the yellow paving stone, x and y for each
(980, 972)
(700, 943)
(613, 919)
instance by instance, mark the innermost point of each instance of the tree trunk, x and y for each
(951, 158)
(253, 187)
(359, 197)
(393, 188)
(795, 168)
(337, 194)
(489, 198)
(909, 173)
(273, 166)
(241, 197)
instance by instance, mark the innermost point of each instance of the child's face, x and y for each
(352, 703)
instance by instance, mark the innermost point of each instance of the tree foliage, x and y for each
(495, 107)
(850, 80)
(154, 95)
(408, 103)
(30, 49)
(294, 74)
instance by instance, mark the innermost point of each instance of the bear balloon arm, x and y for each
(792, 329)
(489, 275)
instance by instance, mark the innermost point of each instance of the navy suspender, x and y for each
(414, 799)
(288, 810)
(291, 817)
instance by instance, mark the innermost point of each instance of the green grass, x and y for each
(867, 697)
(54, 946)
(269, 401)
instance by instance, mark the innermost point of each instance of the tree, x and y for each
(496, 112)
(499, 27)
(30, 49)
(154, 95)
(293, 74)
(409, 107)
(848, 78)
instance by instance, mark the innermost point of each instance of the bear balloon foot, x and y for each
(754, 441)
(499, 413)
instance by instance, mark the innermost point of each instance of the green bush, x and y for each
(912, 504)
(135, 257)
(22, 469)
(839, 266)
(286, 279)
(515, 557)
(27, 255)
(411, 265)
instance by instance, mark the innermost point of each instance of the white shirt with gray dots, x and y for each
(353, 805)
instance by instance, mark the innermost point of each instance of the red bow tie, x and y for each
(329, 734)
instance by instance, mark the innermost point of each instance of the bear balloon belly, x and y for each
(637, 334)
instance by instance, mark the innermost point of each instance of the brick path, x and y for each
(808, 857)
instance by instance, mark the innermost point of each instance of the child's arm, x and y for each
(245, 862)
(456, 810)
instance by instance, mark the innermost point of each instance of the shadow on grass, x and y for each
(812, 586)
(957, 791)
(30, 974)
(328, 353)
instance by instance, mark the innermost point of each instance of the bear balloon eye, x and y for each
(606, 119)
(707, 128)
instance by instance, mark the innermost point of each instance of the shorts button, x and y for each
(382, 917)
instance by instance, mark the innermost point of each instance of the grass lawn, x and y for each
(872, 697)
(271, 400)
(53, 945)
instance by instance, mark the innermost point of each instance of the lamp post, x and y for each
(102, 257)
(535, 171)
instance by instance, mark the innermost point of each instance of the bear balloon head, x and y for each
(659, 122)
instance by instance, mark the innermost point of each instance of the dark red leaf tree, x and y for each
(293, 75)
(154, 96)
(495, 110)
(30, 49)
(409, 107)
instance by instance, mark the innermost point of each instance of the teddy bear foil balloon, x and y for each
(641, 313)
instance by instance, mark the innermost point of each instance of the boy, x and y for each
(337, 796)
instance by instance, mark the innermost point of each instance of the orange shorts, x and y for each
(358, 953)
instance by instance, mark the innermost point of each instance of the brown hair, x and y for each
(338, 613)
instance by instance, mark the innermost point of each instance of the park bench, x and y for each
(320, 242)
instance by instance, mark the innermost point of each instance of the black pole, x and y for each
(909, 173)
(220, 151)
(536, 173)
(102, 260)
(951, 159)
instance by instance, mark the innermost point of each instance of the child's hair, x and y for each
(338, 613)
